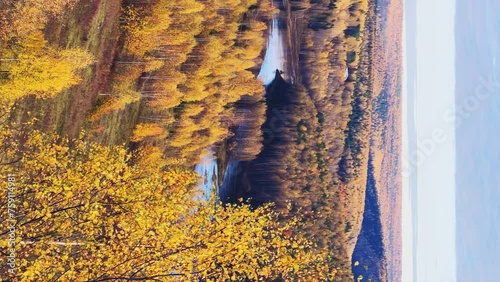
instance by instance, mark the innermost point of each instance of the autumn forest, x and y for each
(140, 140)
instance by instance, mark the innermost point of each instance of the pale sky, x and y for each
(435, 90)
(407, 260)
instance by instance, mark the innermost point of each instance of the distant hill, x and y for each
(386, 128)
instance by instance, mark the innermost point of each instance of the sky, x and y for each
(435, 154)
(478, 132)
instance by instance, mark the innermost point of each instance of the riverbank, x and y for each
(281, 52)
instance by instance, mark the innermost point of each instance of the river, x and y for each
(275, 58)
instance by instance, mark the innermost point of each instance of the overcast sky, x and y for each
(478, 132)
(435, 90)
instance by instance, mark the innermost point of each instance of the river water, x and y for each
(207, 168)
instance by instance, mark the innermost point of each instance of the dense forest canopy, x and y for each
(154, 85)
(96, 213)
(317, 139)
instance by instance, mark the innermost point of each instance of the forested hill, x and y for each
(386, 137)
(317, 130)
(339, 39)
(368, 259)
(292, 170)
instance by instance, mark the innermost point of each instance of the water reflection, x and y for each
(207, 168)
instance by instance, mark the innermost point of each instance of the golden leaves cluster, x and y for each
(94, 213)
(195, 60)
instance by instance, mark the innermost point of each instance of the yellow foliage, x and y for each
(30, 16)
(92, 212)
(196, 55)
(122, 98)
(43, 74)
(144, 130)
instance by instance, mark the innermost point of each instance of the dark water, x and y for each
(234, 175)
(478, 139)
